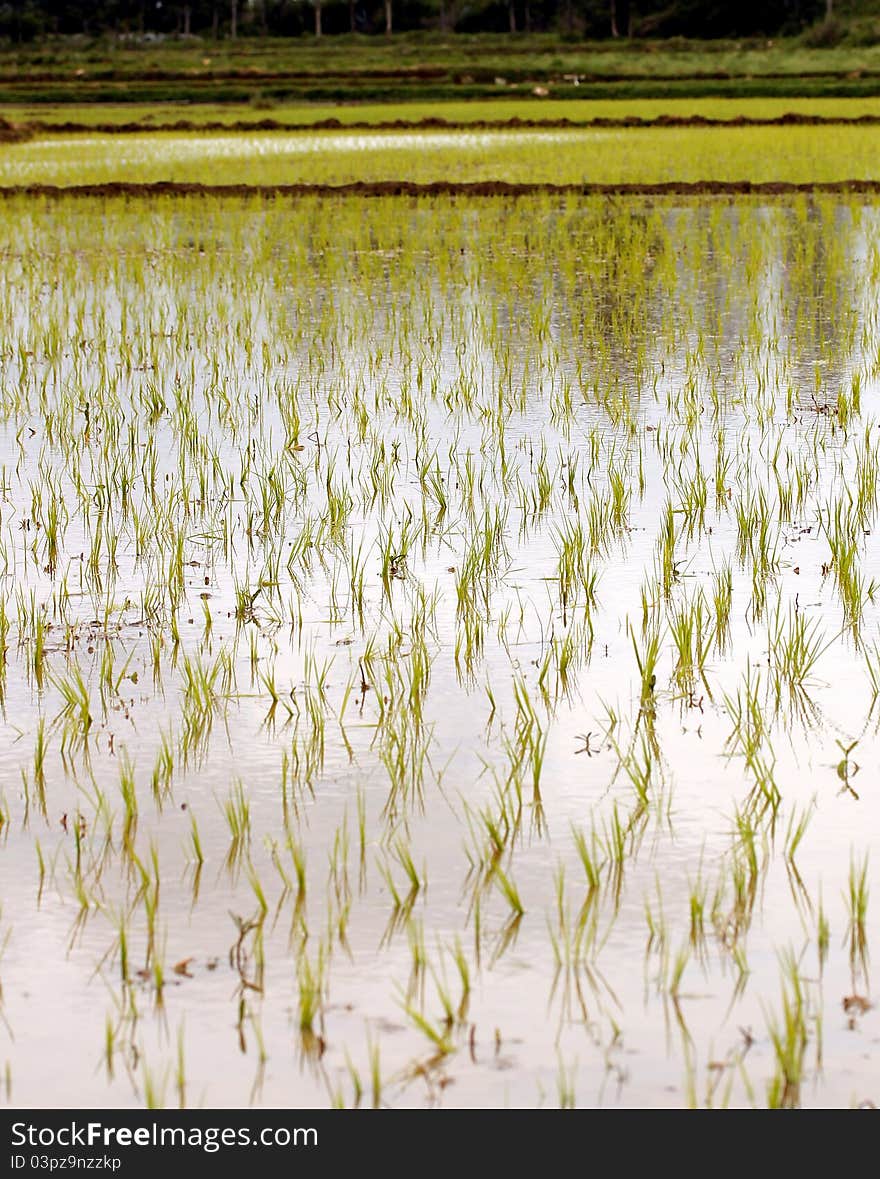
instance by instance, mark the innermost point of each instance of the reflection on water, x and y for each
(440, 646)
(49, 159)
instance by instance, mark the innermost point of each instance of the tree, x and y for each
(620, 22)
(447, 15)
(568, 9)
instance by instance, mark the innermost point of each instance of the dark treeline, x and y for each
(27, 20)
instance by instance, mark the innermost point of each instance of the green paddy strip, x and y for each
(499, 110)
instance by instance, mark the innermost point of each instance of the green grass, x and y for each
(426, 67)
(319, 90)
(411, 50)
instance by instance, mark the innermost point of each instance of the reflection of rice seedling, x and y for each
(565, 1085)
(823, 934)
(237, 810)
(154, 1087)
(857, 907)
(196, 841)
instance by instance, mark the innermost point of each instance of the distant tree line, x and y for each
(28, 20)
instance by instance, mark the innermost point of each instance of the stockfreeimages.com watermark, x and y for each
(98, 1135)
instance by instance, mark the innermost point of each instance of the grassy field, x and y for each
(414, 67)
(349, 55)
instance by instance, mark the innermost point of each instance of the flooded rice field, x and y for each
(441, 651)
(577, 155)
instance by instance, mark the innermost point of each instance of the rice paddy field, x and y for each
(441, 645)
(559, 156)
(86, 116)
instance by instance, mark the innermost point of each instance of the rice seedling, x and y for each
(509, 891)
(789, 1037)
(795, 650)
(76, 712)
(437, 1035)
(647, 660)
